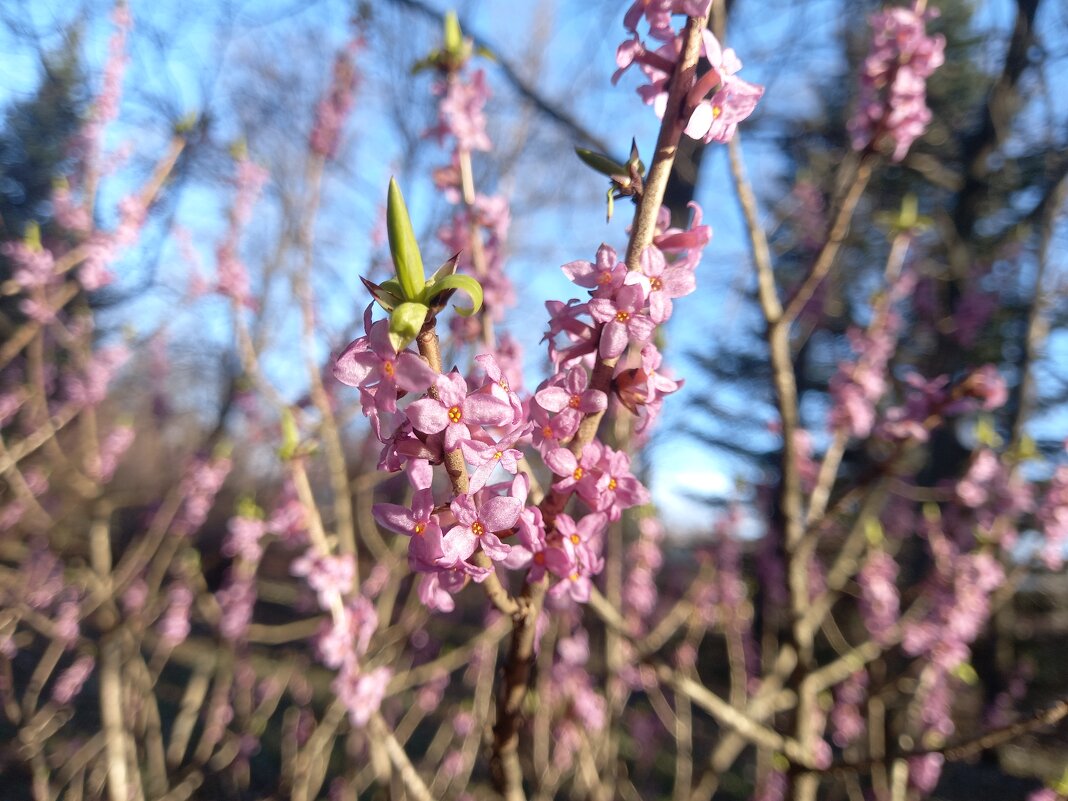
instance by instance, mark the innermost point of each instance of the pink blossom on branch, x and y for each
(336, 105)
(715, 103)
(893, 89)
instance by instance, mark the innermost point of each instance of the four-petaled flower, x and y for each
(478, 520)
(372, 360)
(453, 410)
(623, 318)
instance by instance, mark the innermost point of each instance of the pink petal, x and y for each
(613, 339)
(553, 399)
(486, 410)
(396, 518)
(412, 373)
(347, 369)
(494, 548)
(457, 545)
(500, 513)
(561, 461)
(427, 415)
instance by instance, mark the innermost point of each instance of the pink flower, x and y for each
(574, 397)
(453, 410)
(604, 276)
(334, 108)
(880, 600)
(361, 691)
(71, 680)
(624, 320)
(485, 457)
(372, 362)
(243, 538)
(662, 282)
(329, 575)
(715, 119)
(617, 488)
(420, 523)
(460, 112)
(685, 244)
(893, 91)
(174, 624)
(564, 319)
(478, 520)
(580, 473)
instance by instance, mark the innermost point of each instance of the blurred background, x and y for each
(239, 82)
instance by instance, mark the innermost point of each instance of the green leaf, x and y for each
(32, 237)
(464, 283)
(635, 159)
(248, 508)
(402, 244)
(601, 163)
(392, 285)
(966, 673)
(427, 62)
(405, 323)
(448, 268)
(873, 531)
(454, 37)
(1061, 785)
(290, 436)
(986, 433)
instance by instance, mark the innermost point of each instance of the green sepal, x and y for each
(463, 283)
(387, 294)
(601, 163)
(402, 244)
(486, 53)
(392, 285)
(405, 323)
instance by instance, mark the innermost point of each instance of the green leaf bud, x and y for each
(402, 244)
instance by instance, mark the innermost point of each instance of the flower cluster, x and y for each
(480, 418)
(717, 101)
(336, 105)
(893, 89)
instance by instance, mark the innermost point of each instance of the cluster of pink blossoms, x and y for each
(483, 418)
(336, 105)
(893, 89)
(462, 122)
(717, 101)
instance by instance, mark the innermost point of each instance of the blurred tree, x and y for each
(984, 174)
(35, 148)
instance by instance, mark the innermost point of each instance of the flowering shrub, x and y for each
(340, 625)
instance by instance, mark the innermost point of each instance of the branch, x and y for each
(522, 87)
